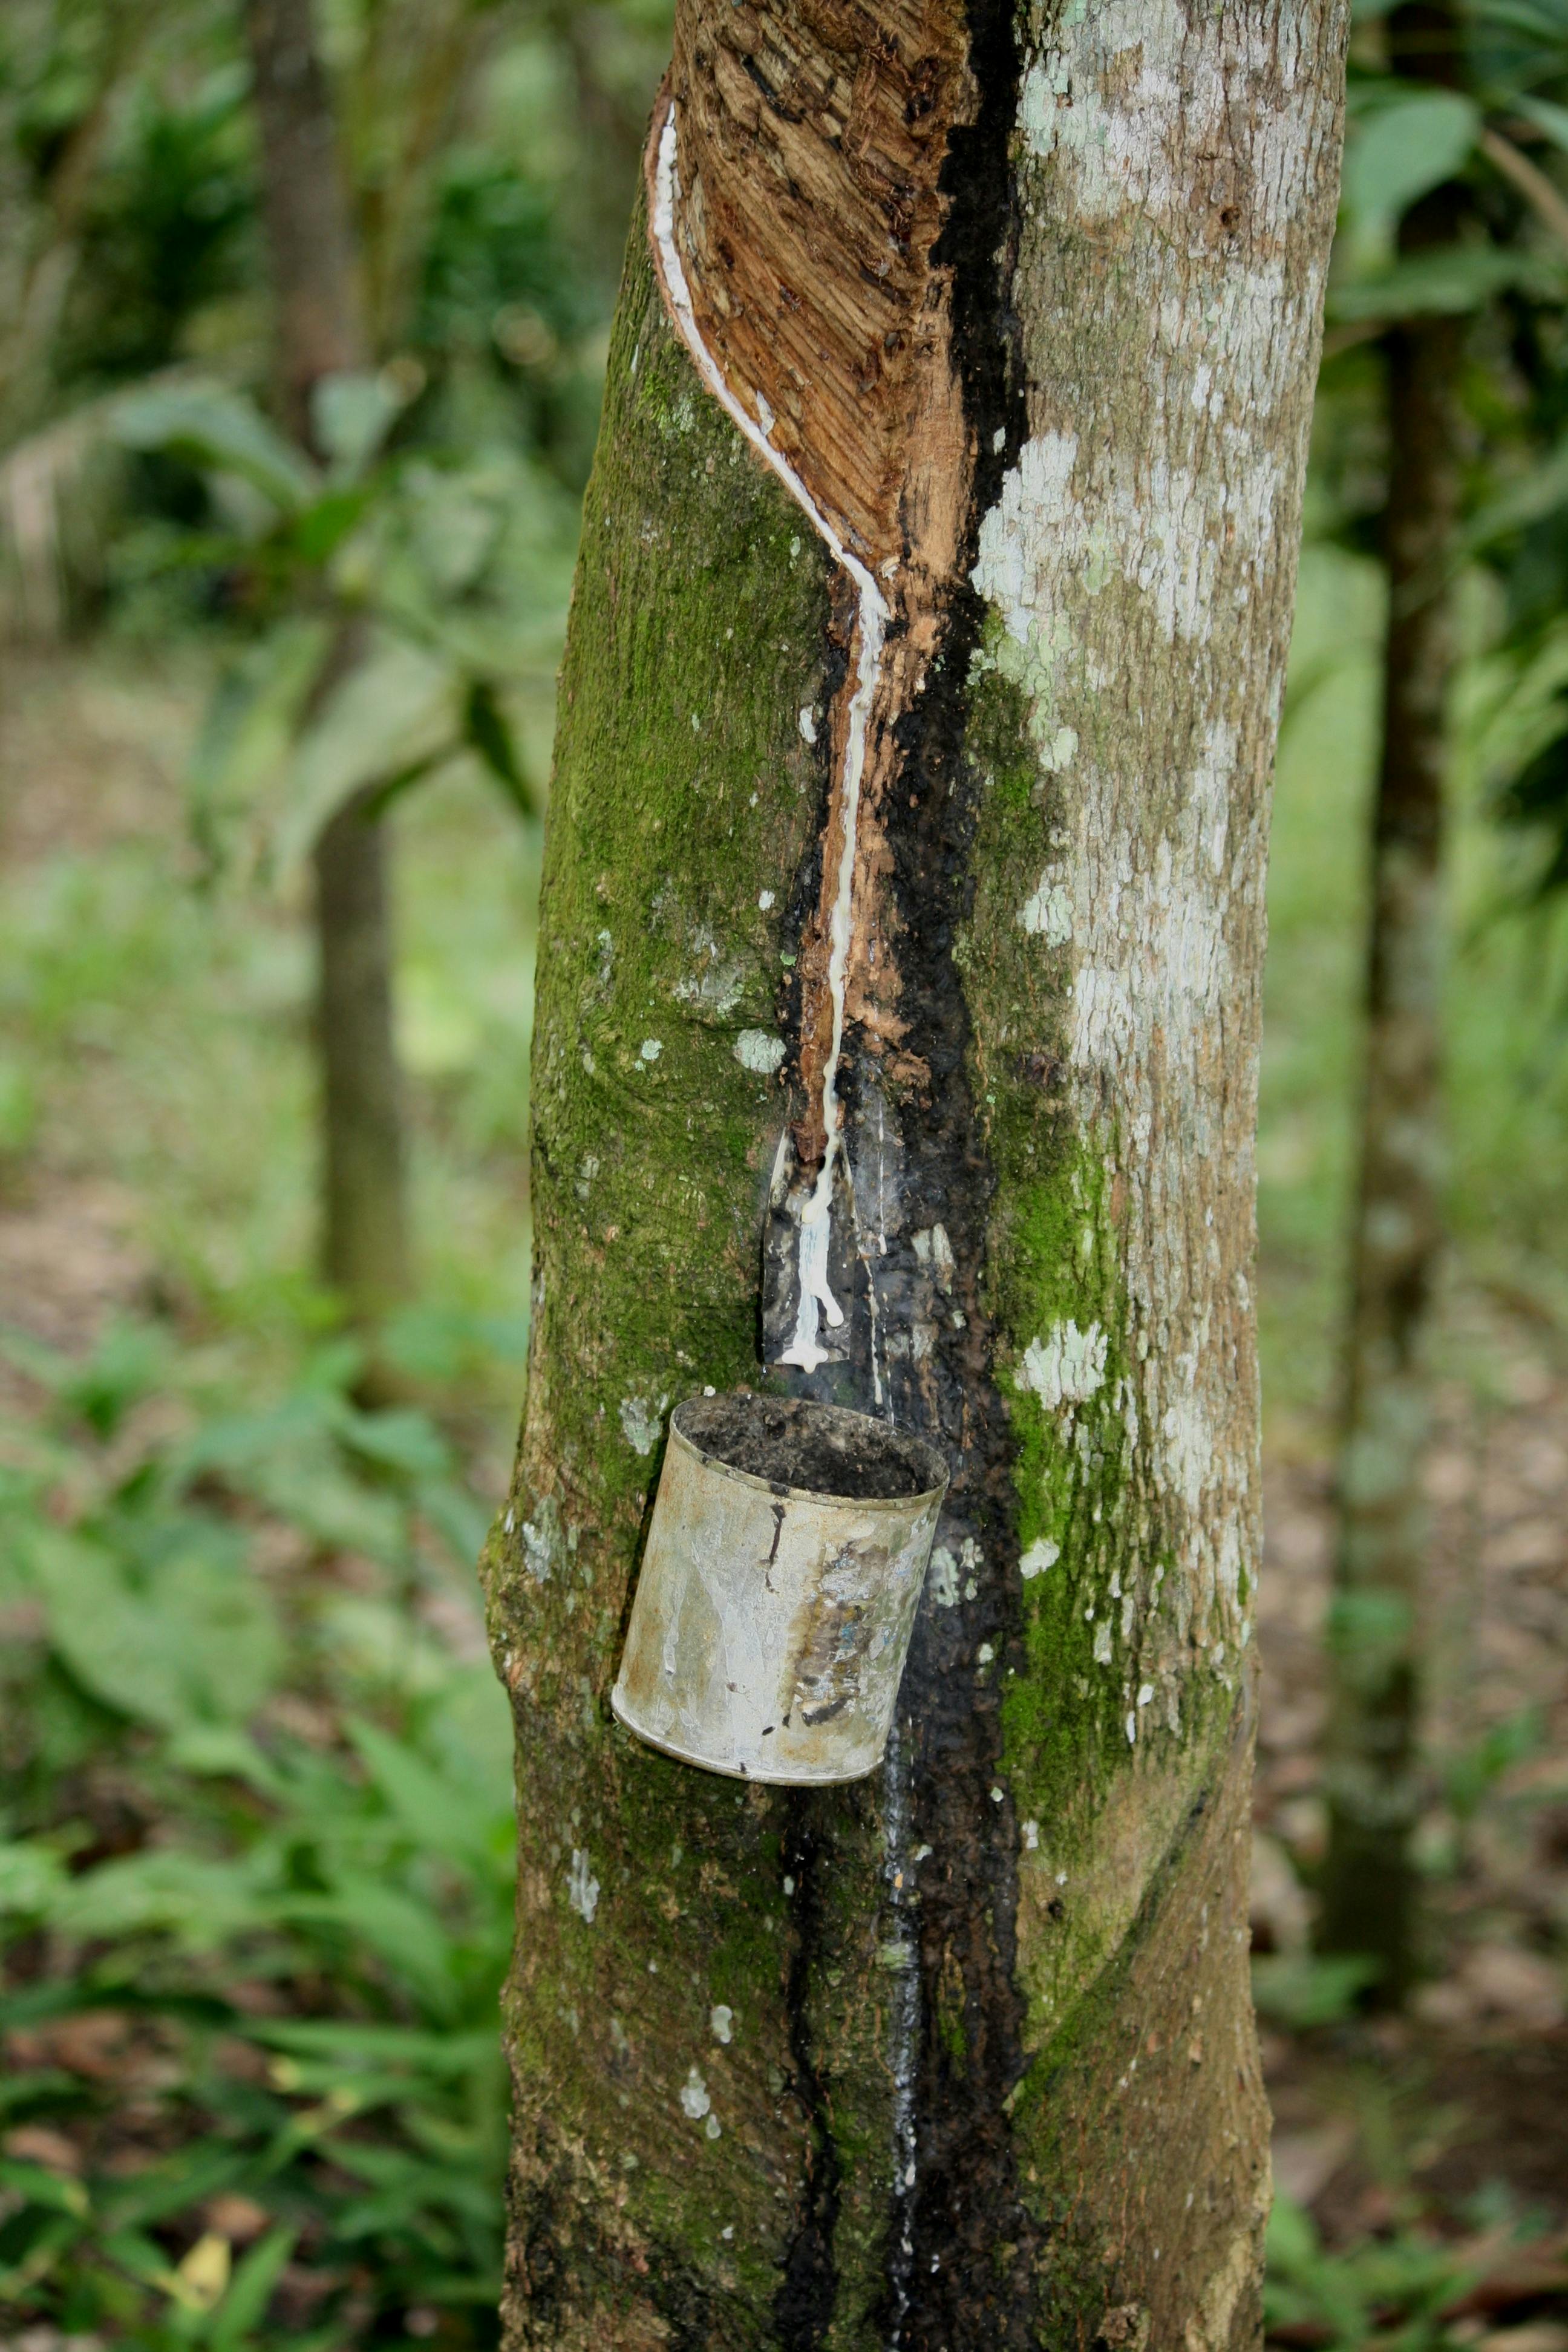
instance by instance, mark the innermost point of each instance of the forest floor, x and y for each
(1452, 2123)
(154, 1175)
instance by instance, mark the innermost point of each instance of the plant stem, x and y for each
(1370, 1889)
(320, 333)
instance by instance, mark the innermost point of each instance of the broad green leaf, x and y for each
(250, 2290)
(1477, 1769)
(456, 520)
(218, 431)
(469, 1733)
(192, 1639)
(221, 1750)
(30, 1878)
(180, 2179)
(126, 1365)
(397, 714)
(404, 1439)
(1399, 151)
(38, 2186)
(436, 1815)
(1529, 498)
(250, 724)
(328, 522)
(1552, 120)
(440, 1342)
(200, 1902)
(288, 1458)
(351, 415)
(1452, 280)
(488, 732)
(1293, 2240)
(350, 2040)
(1304, 1990)
(405, 1936)
(462, 1522)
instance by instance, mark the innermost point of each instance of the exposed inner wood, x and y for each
(831, 324)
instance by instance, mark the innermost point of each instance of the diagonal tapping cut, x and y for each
(816, 1297)
(861, 421)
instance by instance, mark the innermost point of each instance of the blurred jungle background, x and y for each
(286, 538)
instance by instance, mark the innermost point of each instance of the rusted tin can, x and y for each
(778, 1590)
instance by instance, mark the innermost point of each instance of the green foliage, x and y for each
(221, 432)
(170, 233)
(1507, 973)
(1473, 1774)
(1301, 1990)
(1398, 2291)
(1399, 147)
(403, 601)
(255, 2094)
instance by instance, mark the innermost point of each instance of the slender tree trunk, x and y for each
(1369, 1887)
(321, 332)
(919, 700)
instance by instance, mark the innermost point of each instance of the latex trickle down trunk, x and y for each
(900, 959)
(321, 332)
(1370, 1886)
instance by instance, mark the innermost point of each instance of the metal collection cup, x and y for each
(778, 1590)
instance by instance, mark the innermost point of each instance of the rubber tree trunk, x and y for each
(1021, 314)
(320, 332)
(1370, 1891)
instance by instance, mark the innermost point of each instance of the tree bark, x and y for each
(1370, 1891)
(900, 955)
(320, 333)
(319, 326)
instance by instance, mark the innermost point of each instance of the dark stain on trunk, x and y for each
(803, 2310)
(971, 2241)
(917, 1347)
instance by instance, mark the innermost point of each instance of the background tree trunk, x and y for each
(963, 2055)
(321, 332)
(1372, 1764)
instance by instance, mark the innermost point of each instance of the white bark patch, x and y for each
(642, 1420)
(1127, 96)
(1041, 1554)
(758, 1050)
(1115, 111)
(1049, 914)
(933, 1248)
(1066, 1366)
(542, 1538)
(582, 1887)
(943, 1578)
(717, 990)
(695, 2101)
(721, 2019)
(1178, 167)
(1165, 529)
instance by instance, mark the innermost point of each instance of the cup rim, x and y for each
(902, 1505)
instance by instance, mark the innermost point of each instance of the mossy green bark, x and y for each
(663, 2163)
